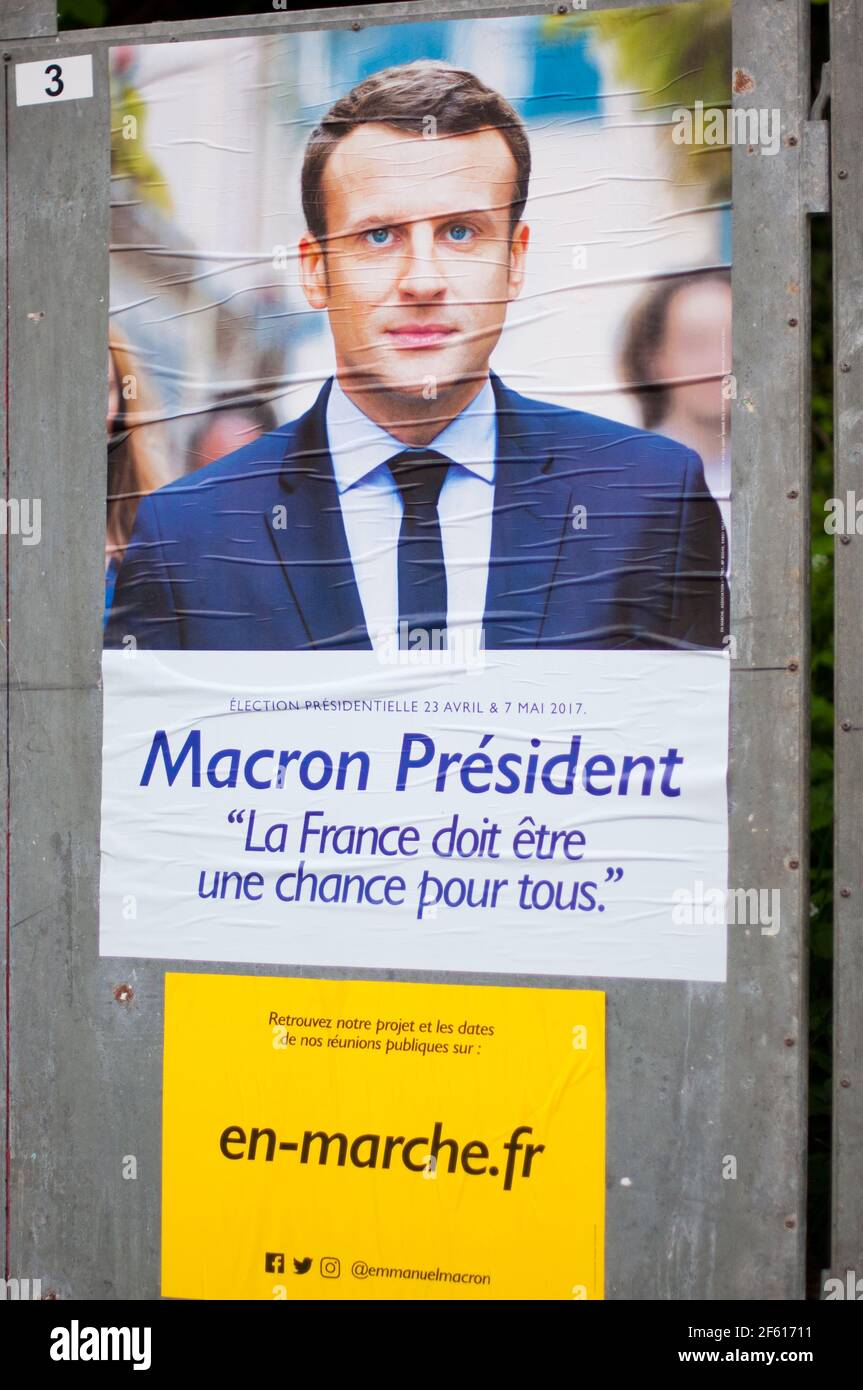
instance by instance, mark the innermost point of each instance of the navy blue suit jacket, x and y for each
(250, 553)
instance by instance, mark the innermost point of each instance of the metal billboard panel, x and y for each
(695, 1072)
(847, 133)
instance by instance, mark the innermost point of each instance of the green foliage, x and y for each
(82, 14)
(821, 781)
(669, 57)
(130, 157)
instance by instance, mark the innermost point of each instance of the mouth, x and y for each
(420, 335)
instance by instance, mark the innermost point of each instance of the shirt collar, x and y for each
(358, 446)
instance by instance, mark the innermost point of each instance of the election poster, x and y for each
(363, 1140)
(417, 627)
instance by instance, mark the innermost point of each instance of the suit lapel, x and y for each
(531, 514)
(531, 517)
(312, 545)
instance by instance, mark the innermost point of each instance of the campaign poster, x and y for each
(416, 608)
(353, 1140)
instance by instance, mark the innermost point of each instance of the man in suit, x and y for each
(420, 496)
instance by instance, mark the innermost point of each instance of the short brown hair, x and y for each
(404, 97)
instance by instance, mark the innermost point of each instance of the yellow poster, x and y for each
(363, 1140)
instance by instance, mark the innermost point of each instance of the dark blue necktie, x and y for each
(419, 476)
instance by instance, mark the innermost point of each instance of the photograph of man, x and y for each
(421, 495)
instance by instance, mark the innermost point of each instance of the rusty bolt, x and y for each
(792, 139)
(50, 1297)
(846, 725)
(843, 174)
(789, 1042)
(124, 994)
(356, 26)
(792, 323)
(845, 892)
(790, 1223)
(845, 1083)
(844, 367)
(794, 863)
(844, 540)
(792, 666)
(792, 493)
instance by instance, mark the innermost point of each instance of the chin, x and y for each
(424, 372)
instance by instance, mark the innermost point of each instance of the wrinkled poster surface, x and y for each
(416, 623)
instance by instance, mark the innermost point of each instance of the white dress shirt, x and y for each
(372, 508)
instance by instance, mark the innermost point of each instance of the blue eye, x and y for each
(460, 233)
(378, 236)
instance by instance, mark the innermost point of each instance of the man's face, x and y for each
(419, 263)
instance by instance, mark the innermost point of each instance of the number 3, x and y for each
(54, 71)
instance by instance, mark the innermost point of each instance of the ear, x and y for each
(313, 272)
(517, 258)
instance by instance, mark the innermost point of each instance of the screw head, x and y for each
(845, 1083)
(792, 323)
(790, 1223)
(844, 540)
(789, 1042)
(792, 139)
(792, 493)
(843, 174)
(844, 367)
(794, 863)
(846, 725)
(845, 892)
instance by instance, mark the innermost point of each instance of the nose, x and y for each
(421, 278)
